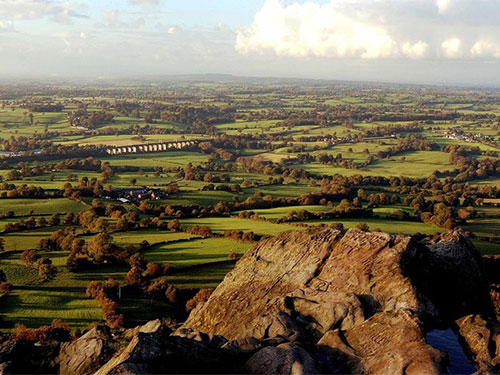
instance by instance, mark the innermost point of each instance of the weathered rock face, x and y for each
(154, 350)
(450, 272)
(364, 298)
(482, 338)
(275, 267)
(386, 343)
(88, 353)
(283, 359)
(328, 280)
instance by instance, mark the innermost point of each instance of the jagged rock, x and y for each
(316, 276)
(273, 268)
(214, 340)
(251, 344)
(246, 344)
(371, 292)
(388, 342)
(88, 353)
(283, 359)
(482, 339)
(450, 272)
(154, 350)
(276, 325)
(140, 354)
(325, 310)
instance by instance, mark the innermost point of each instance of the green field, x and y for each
(34, 304)
(389, 226)
(221, 224)
(24, 207)
(276, 213)
(195, 252)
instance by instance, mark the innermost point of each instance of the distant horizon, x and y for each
(187, 77)
(443, 42)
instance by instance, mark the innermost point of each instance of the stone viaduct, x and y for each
(150, 147)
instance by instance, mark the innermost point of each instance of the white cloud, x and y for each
(149, 3)
(452, 48)
(116, 19)
(444, 5)
(312, 29)
(57, 11)
(416, 50)
(484, 48)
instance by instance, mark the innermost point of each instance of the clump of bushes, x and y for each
(58, 331)
(46, 270)
(104, 294)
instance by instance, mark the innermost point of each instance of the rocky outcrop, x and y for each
(243, 304)
(87, 354)
(153, 350)
(282, 359)
(482, 338)
(364, 299)
(450, 273)
(388, 342)
(319, 278)
(316, 301)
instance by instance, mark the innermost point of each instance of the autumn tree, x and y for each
(100, 247)
(46, 270)
(29, 257)
(174, 225)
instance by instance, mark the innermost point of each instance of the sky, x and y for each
(408, 41)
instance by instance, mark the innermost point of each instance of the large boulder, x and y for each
(319, 277)
(386, 343)
(283, 359)
(272, 269)
(155, 350)
(141, 353)
(87, 354)
(364, 298)
(450, 272)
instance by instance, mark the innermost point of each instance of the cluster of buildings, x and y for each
(467, 138)
(128, 195)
